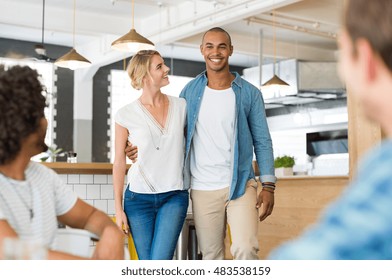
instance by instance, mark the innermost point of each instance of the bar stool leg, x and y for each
(182, 244)
(192, 244)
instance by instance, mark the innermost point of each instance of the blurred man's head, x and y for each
(366, 54)
(371, 20)
(21, 112)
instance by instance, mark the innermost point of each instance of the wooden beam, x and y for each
(362, 133)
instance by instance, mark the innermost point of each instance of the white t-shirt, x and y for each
(156, 170)
(51, 198)
(211, 153)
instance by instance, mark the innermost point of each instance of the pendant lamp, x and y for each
(132, 41)
(72, 59)
(275, 81)
(40, 49)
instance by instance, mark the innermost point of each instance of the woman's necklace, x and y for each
(15, 189)
(157, 146)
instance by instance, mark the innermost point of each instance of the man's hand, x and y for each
(131, 152)
(266, 199)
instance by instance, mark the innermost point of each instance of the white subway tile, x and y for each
(111, 209)
(87, 179)
(89, 201)
(64, 178)
(93, 192)
(73, 179)
(101, 204)
(81, 191)
(107, 192)
(110, 179)
(100, 179)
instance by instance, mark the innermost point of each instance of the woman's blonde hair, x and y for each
(139, 66)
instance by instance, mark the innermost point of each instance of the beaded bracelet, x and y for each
(268, 190)
(268, 186)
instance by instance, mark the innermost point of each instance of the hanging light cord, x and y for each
(73, 29)
(274, 38)
(133, 14)
(43, 21)
(274, 42)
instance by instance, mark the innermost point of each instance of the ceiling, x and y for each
(303, 29)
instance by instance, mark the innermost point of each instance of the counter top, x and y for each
(106, 168)
(81, 168)
(307, 177)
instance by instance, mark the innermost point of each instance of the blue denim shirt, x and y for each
(251, 130)
(358, 225)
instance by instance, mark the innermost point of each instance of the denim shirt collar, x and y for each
(237, 80)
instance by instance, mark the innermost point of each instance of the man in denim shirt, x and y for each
(359, 224)
(226, 123)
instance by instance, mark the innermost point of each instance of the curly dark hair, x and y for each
(21, 108)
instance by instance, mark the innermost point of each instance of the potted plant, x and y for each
(284, 165)
(52, 153)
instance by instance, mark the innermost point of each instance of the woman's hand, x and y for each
(122, 222)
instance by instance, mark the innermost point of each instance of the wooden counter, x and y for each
(298, 202)
(81, 168)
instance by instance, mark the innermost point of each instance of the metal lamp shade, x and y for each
(132, 42)
(275, 81)
(72, 60)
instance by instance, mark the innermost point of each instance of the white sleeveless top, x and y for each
(161, 150)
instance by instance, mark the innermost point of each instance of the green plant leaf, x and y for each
(284, 161)
(58, 151)
(43, 159)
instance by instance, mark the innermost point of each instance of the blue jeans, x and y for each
(155, 221)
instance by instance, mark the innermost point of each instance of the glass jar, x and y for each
(72, 157)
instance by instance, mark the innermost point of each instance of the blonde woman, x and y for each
(154, 204)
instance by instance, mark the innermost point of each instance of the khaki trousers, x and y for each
(211, 212)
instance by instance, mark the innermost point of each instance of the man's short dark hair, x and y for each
(21, 108)
(371, 20)
(217, 29)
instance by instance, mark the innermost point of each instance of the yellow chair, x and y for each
(229, 233)
(131, 245)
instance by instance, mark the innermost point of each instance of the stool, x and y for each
(187, 247)
(193, 247)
